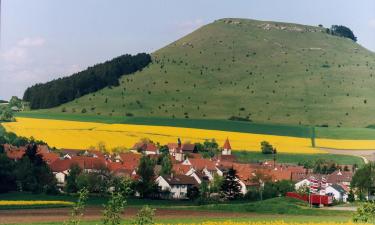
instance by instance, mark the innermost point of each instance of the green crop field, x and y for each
(268, 72)
(246, 157)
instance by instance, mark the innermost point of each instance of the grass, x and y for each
(92, 200)
(275, 76)
(246, 157)
(275, 206)
(252, 218)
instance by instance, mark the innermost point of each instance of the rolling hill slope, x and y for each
(267, 72)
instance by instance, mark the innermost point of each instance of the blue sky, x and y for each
(44, 39)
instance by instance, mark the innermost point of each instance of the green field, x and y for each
(285, 209)
(246, 157)
(269, 72)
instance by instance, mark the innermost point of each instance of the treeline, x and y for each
(92, 79)
(342, 31)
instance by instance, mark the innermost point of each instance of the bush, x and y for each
(267, 148)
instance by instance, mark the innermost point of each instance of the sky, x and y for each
(43, 39)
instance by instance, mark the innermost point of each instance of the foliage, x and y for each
(351, 196)
(267, 148)
(342, 31)
(277, 189)
(71, 179)
(95, 181)
(78, 208)
(92, 79)
(145, 216)
(33, 174)
(365, 213)
(113, 209)
(166, 165)
(123, 185)
(364, 178)
(146, 185)
(7, 178)
(230, 187)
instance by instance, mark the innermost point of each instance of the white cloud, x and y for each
(31, 42)
(19, 53)
(15, 55)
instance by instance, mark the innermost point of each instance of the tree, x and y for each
(351, 196)
(78, 208)
(204, 192)
(7, 178)
(146, 184)
(193, 192)
(365, 213)
(267, 148)
(343, 31)
(363, 179)
(230, 188)
(71, 180)
(123, 185)
(166, 165)
(145, 216)
(215, 185)
(113, 209)
(92, 79)
(164, 150)
(33, 174)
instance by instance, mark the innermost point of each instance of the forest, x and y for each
(62, 90)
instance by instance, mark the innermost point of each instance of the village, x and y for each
(189, 171)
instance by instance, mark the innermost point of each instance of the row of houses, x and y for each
(189, 167)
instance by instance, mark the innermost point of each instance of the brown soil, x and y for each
(94, 213)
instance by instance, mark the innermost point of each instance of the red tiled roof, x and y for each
(180, 180)
(61, 165)
(49, 157)
(227, 144)
(130, 157)
(180, 168)
(172, 145)
(200, 164)
(188, 147)
(150, 147)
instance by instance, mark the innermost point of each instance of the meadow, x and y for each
(82, 135)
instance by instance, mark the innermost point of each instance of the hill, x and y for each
(260, 71)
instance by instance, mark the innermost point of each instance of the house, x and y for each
(61, 167)
(338, 192)
(340, 177)
(227, 149)
(207, 166)
(176, 185)
(147, 148)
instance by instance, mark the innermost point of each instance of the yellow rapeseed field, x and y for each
(22, 202)
(276, 223)
(81, 135)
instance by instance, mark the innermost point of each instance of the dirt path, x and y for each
(95, 213)
(366, 155)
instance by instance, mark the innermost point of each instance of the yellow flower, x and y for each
(82, 135)
(21, 202)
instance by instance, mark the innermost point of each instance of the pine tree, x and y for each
(230, 188)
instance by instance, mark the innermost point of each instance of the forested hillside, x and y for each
(92, 79)
(242, 69)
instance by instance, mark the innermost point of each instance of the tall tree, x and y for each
(166, 165)
(146, 184)
(231, 188)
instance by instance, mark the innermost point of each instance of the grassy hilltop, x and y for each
(267, 72)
